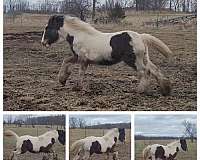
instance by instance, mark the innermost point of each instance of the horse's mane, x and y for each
(46, 133)
(77, 24)
(172, 143)
(110, 133)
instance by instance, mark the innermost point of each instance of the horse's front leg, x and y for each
(65, 71)
(115, 155)
(14, 155)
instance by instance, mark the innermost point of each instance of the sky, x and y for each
(161, 125)
(21, 117)
(103, 119)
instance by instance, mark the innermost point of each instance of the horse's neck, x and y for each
(75, 27)
(173, 145)
(52, 133)
(110, 135)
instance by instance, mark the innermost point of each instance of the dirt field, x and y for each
(9, 144)
(191, 154)
(30, 71)
(123, 149)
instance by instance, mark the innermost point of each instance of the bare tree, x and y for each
(81, 123)
(190, 129)
(73, 122)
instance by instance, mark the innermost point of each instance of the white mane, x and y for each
(77, 24)
(173, 143)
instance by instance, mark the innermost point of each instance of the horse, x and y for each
(162, 152)
(90, 46)
(40, 144)
(85, 148)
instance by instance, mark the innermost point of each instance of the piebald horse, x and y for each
(40, 144)
(85, 148)
(90, 46)
(162, 152)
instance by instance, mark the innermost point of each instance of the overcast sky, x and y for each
(103, 119)
(161, 125)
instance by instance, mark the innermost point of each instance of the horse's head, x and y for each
(183, 145)
(51, 31)
(122, 134)
(61, 136)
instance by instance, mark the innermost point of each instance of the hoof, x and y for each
(62, 82)
(165, 87)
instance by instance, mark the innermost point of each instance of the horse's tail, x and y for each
(157, 43)
(76, 145)
(9, 133)
(146, 153)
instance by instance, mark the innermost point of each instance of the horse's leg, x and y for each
(143, 74)
(115, 155)
(136, 61)
(82, 70)
(65, 72)
(86, 155)
(14, 155)
(107, 155)
(162, 80)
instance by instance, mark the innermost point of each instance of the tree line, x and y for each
(82, 124)
(32, 120)
(82, 8)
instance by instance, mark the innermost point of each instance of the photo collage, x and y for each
(99, 80)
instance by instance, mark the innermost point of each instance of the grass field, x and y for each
(191, 154)
(30, 70)
(123, 149)
(9, 143)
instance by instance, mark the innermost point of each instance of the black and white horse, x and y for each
(90, 46)
(162, 152)
(40, 144)
(85, 148)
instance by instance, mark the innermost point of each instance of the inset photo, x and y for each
(100, 137)
(166, 137)
(34, 137)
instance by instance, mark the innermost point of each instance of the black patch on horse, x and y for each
(121, 50)
(47, 148)
(121, 134)
(27, 146)
(183, 144)
(160, 153)
(61, 136)
(70, 40)
(115, 139)
(95, 148)
(51, 31)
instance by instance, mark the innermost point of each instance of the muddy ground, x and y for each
(30, 75)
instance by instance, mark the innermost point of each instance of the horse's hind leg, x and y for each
(136, 62)
(162, 80)
(65, 72)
